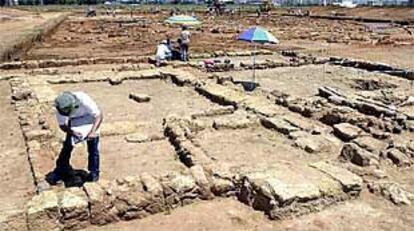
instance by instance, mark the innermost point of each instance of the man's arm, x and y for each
(94, 111)
(65, 128)
(96, 124)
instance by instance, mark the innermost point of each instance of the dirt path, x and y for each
(217, 215)
(15, 177)
(229, 214)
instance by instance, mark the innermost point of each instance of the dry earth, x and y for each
(322, 143)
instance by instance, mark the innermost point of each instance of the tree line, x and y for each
(50, 2)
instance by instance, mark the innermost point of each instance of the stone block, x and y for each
(22, 94)
(202, 181)
(101, 205)
(115, 80)
(371, 144)
(237, 122)
(356, 155)
(137, 138)
(39, 135)
(309, 144)
(222, 178)
(179, 189)
(398, 158)
(222, 187)
(119, 128)
(391, 191)
(180, 184)
(74, 209)
(151, 184)
(284, 190)
(346, 131)
(214, 112)
(222, 94)
(261, 106)
(199, 175)
(130, 200)
(43, 212)
(279, 125)
(351, 183)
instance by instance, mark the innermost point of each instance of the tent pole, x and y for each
(254, 64)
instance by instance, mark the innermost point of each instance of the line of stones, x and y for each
(106, 202)
(42, 144)
(112, 201)
(355, 119)
(228, 181)
(355, 63)
(373, 66)
(369, 107)
(36, 131)
(301, 130)
(366, 152)
(252, 188)
(364, 145)
(46, 63)
(399, 154)
(363, 151)
(182, 130)
(136, 62)
(132, 197)
(114, 78)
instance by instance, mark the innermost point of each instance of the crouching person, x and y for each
(163, 53)
(74, 109)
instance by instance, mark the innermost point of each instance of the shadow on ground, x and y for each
(73, 178)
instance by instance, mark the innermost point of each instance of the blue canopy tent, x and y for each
(183, 20)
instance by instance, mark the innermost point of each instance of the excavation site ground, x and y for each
(324, 142)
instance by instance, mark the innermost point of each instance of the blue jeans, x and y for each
(184, 52)
(63, 162)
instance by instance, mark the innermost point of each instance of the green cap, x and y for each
(66, 103)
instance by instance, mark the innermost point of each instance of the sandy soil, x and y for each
(396, 13)
(15, 175)
(220, 214)
(367, 214)
(120, 158)
(399, 56)
(22, 24)
(166, 99)
(228, 214)
(117, 154)
(304, 81)
(251, 148)
(105, 36)
(240, 147)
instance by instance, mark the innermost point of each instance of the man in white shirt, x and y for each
(76, 109)
(185, 41)
(163, 52)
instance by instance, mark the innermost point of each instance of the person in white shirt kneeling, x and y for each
(163, 53)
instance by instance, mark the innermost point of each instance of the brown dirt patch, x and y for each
(15, 175)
